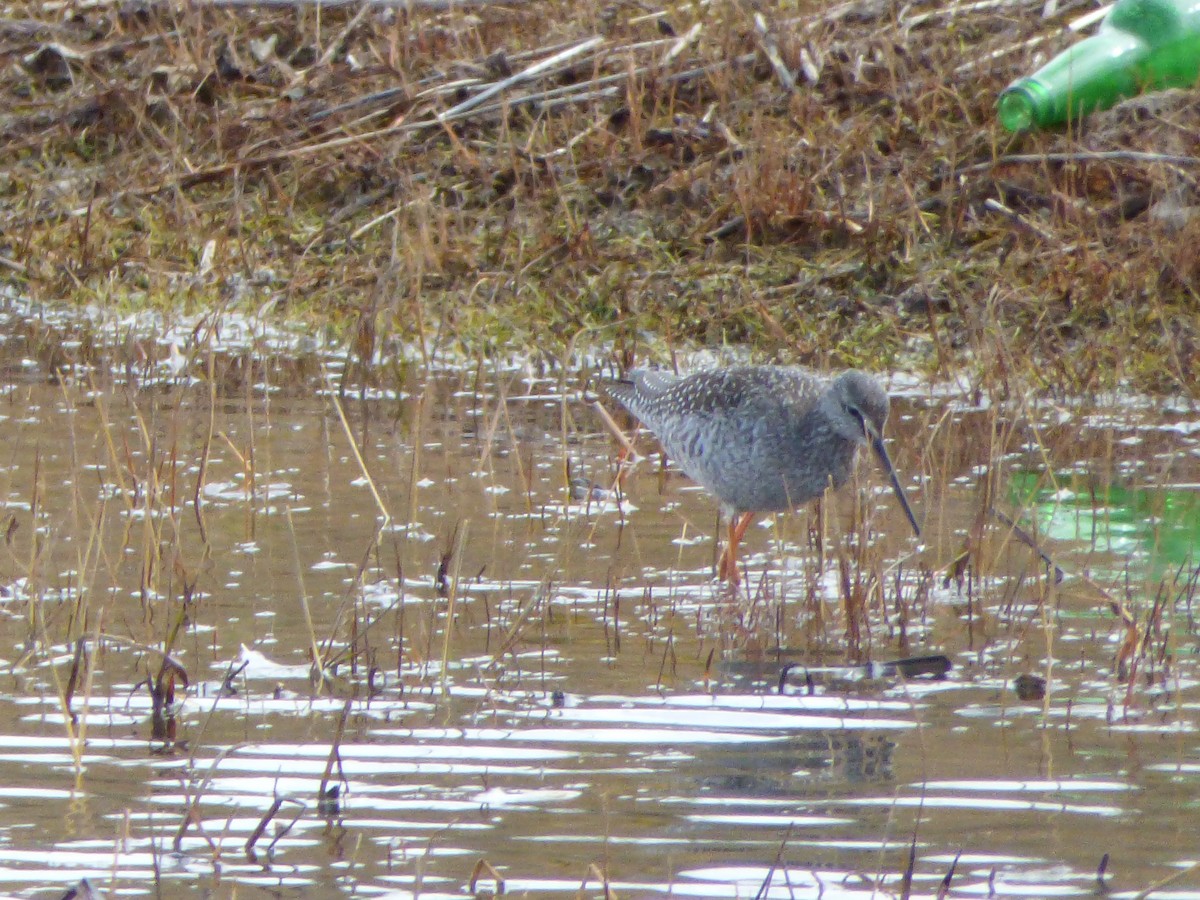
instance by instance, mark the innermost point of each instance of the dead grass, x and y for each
(359, 165)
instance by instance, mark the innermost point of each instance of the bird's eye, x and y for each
(861, 419)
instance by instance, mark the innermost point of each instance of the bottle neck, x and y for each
(1154, 21)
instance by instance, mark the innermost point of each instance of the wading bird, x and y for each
(762, 438)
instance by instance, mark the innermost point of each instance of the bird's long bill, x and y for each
(881, 452)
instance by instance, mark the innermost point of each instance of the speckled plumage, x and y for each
(759, 438)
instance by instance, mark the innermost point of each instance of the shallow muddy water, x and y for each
(548, 688)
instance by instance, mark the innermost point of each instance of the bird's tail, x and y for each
(620, 389)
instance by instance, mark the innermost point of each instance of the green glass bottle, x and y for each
(1142, 45)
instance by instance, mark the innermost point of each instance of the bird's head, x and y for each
(863, 406)
(863, 410)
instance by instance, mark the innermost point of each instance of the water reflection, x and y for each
(1157, 523)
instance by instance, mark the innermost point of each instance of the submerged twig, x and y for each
(335, 756)
(1027, 539)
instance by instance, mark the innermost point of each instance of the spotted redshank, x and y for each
(762, 438)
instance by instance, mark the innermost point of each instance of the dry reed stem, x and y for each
(451, 604)
(362, 465)
(320, 673)
(485, 868)
(1166, 881)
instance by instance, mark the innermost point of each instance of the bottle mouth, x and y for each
(1016, 108)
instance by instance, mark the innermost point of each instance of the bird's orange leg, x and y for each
(623, 455)
(727, 569)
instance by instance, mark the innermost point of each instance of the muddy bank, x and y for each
(530, 175)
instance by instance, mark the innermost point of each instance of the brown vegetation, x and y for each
(827, 182)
